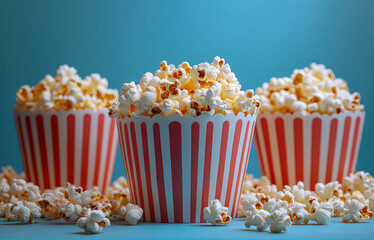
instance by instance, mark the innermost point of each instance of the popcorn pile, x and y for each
(202, 89)
(263, 205)
(66, 91)
(308, 91)
(22, 201)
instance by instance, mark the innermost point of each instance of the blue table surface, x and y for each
(58, 229)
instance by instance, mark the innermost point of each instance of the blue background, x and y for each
(121, 40)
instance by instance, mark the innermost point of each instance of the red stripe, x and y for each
(265, 132)
(299, 149)
(246, 163)
(70, 148)
(331, 151)
(109, 153)
(353, 151)
(43, 151)
(85, 149)
(129, 165)
(259, 153)
(234, 153)
(147, 170)
(99, 142)
(279, 125)
(23, 149)
(207, 167)
(240, 172)
(195, 129)
(343, 153)
(316, 149)
(160, 173)
(139, 183)
(32, 150)
(222, 159)
(175, 137)
(56, 149)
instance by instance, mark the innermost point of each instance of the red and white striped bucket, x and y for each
(175, 165)
(312, 148)
(75, 146)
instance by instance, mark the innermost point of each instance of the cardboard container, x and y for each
(175, 165)
(78, 147)
(312, 148)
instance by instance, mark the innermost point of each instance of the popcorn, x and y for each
(202, 89)
(216, 214)
(279, 221)
(308, 91)
(71, 212)
(320, 213)
(298, 214)
(25, 212)
(66, 91)
(94, 223)
(256, 218)
(131, 213)
(352, 211)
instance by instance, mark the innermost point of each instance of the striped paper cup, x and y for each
(78, 147)
(312, 148)
(175, 165)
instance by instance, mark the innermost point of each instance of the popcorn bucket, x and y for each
(78, 147)
(312, 148)
(175, 165)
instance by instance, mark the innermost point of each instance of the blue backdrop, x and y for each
(121, 40)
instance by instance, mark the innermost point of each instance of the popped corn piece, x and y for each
(279, 221)
(352, 211)
(131, 213)
(25, 212)
(94, 223)
(216, 214)
(320, 213)
(256, 218)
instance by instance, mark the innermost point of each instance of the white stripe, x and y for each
(126, 162)
(166, 161)
(277, 168)
(349, 146)
(113, 155)
(229, 148)
(62, 138)
(290, 149)
(324, 148)
(94, 132)
(186, 171)
(152, 166)
(49, 149)
(200, 168)
(143, 185)
(338, 146)
(104, 150)
(216, 147)
(307, 141)
(79, 119)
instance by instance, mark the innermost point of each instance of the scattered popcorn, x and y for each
(66, 91)
(202, 89)
(352, 211)
(216, 214)
(94, 223)
(320, 212)
(255, 217)
(309, 90)
(131, 213)
(279, 221)
(25, 212)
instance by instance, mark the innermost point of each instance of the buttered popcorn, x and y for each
(66, 91)
(202, 89)
(309, 90)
